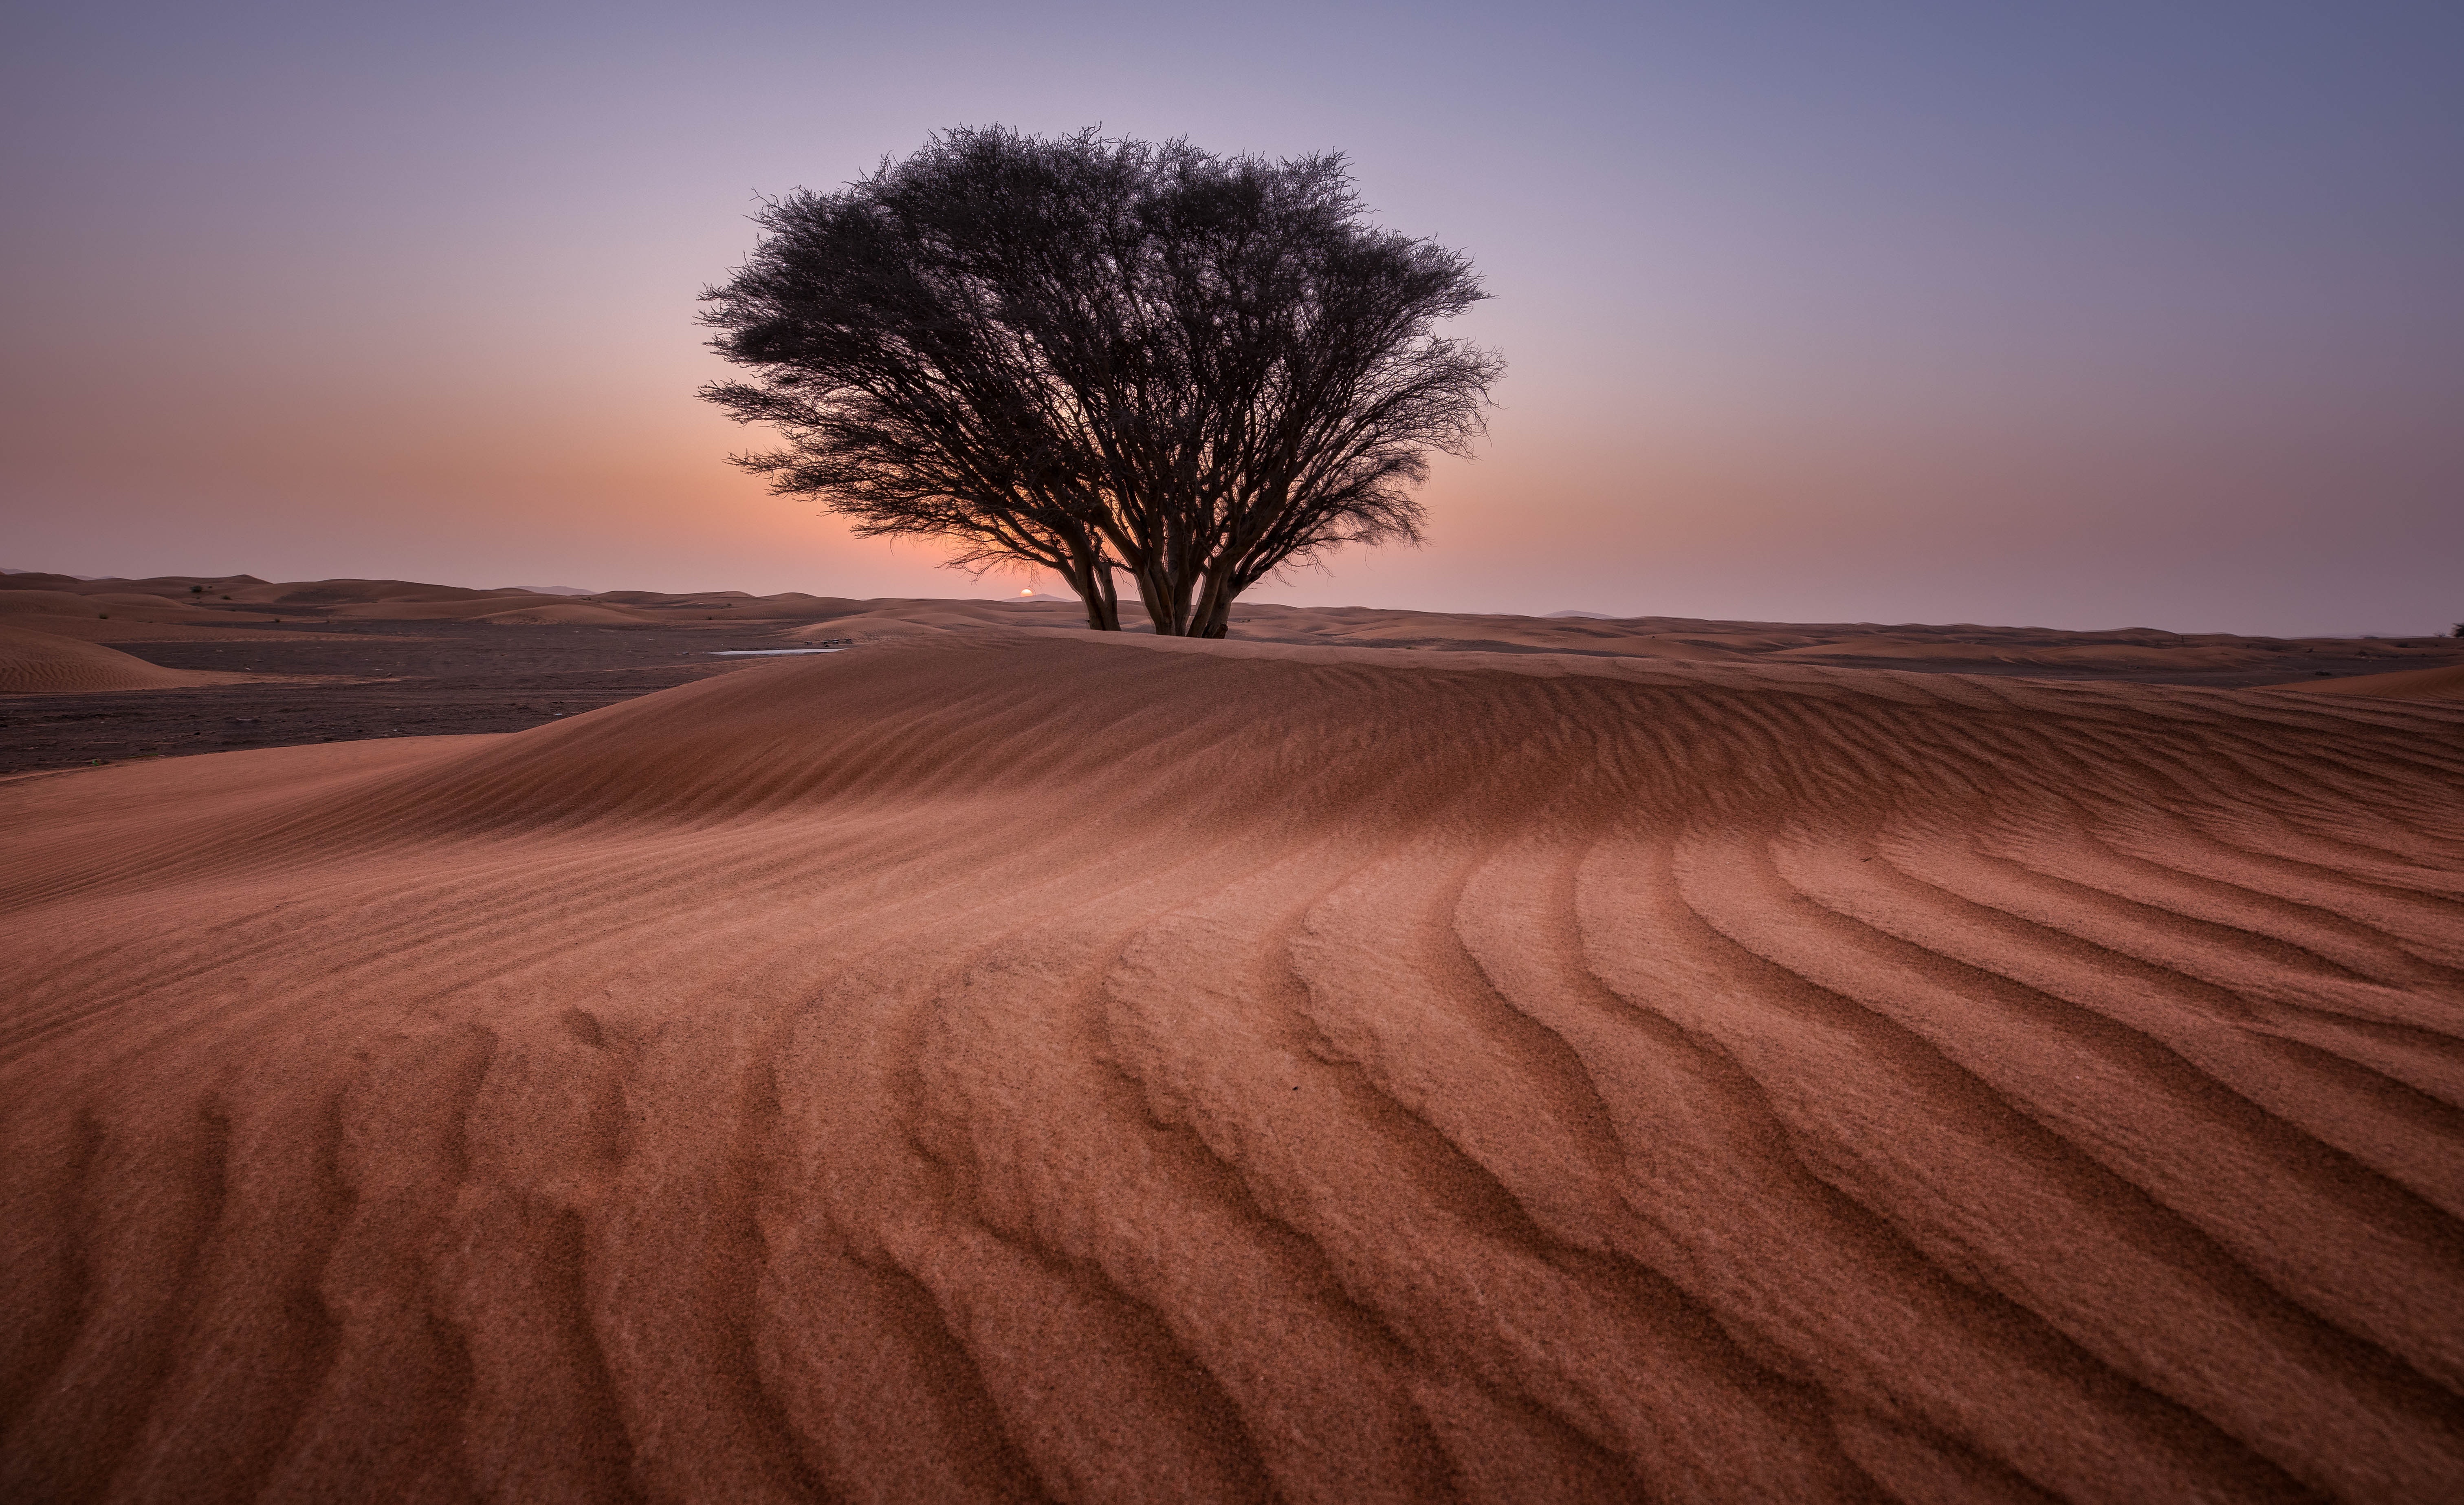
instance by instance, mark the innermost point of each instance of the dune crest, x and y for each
(1010, 1066)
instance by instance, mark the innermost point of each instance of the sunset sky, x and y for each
(2064, 315)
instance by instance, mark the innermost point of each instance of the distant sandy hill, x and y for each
(129, 611)
(183, 605)
(567, 614)
(998, 1064)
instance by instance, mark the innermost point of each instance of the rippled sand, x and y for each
(1009, 1066)
(47, 663)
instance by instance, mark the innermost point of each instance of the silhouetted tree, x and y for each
(1097, 355)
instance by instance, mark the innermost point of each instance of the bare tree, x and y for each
(1098, 355)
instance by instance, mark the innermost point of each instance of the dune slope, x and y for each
(2404, 684)
(1014, 1067)
(45, 663)
(567, 614)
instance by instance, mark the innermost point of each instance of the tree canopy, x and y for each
(1099, 355)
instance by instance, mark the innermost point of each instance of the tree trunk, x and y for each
(1167, 601)
(1093, 584)
(1214, 615)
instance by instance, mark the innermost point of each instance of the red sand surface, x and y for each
(196, 608)
(129, 611)
(2404, 684)
(1010, 1066)
(45, 663)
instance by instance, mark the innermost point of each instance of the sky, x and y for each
(2080, 315)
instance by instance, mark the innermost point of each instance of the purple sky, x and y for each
(2076, 316)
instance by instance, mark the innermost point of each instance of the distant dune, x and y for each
(570, 613)
(44, 663)
(996, 1065)
(110, 612)
(187, 608)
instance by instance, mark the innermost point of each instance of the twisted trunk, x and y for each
(1092, 581)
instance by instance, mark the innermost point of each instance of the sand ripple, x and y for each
(46, 663)
(1020, 1067)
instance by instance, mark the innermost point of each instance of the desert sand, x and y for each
(392, 658)
(2404, 684)
(46, 663)
(1005, 1065)
(129, 611)
(243, 607)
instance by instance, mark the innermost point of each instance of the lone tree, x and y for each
(1100, 355)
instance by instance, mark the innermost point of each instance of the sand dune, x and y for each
(116, 629)
(2406, 684)
(45, 663)
(2135, 650)
(2138, 652)
(116, 616)
(2121, 650)
(357, 592)
(43, 606)
(28, 602)
(1000, 1066)
(894, 618)
(453, 609)
(570, 614)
